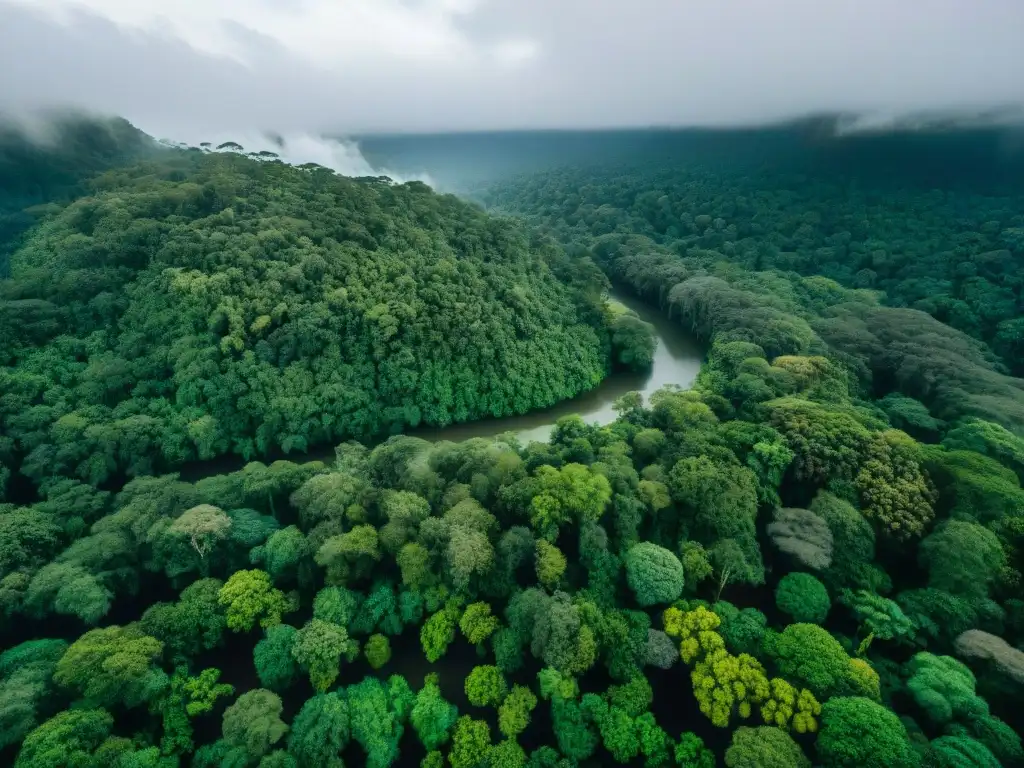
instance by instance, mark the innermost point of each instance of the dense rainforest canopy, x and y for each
(208, 303)
(813, 556)
(797, 259)
(48, 161)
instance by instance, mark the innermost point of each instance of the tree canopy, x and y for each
(812, 556)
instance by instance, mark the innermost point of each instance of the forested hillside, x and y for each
(815, 556)
(49, 161)
(927, 229)
(209, 303)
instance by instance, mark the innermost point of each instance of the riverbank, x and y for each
(677, 360)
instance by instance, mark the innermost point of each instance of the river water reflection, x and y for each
(676, 361)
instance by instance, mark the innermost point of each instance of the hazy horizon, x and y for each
(358, 67)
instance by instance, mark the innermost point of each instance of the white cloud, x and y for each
(326, 33)
(342, 156)
(422, 65)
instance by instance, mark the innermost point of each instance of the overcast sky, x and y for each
(174, 66)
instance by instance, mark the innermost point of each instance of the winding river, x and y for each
(677, 360)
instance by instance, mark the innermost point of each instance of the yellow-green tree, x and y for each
(725, 684)
(696, 630)
(786, 706)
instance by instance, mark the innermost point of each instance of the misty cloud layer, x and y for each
(177, 67)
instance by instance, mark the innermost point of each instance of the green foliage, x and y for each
(485, 686)
(377, 651)
(471, 743)
(960, 752)
(979, 487)
(633, 340)
(249, 596)
(999, 737)
(379, 610)
(28, 538)
(114, 665)
(415, 283)
(853, 540)
(654, 574)
(190, 626)
(828, 442)
(910, 415)
(944, 688)
(894, 490)
(26, 684)
(572, 493)
(988, 439)
(690, 752)
(786, 707)
(938, 616)
(809, 656)
(275, 664)
(554, 685)
(69, 738)
(858, 733)
(506, 754)
(278, 759)
(546, 757)
(477, 623)
(617, 729)
(337, 605)
(731, 234)
(318, 648)
(696, 564)
(962, 558)
(206, 304)
(574, 734)
(377, 715)
(320, 731)
(803, 597)
(514, 712)
(253, 722)
(561, 639)
(221, 753)
(724, 684)
(634, 697)
(764, 747)
(432, 717)
(203, 690)
(654, 742)
(743, 630)
(285, 556)
(438, 632)
(350, 555)
(550, 564)
(721, 498)
(879, 616)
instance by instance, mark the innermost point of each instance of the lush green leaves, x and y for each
(432, 716)
(115, 665)
(764, 748)
(803, 597)
(654, 574)
(249, 596)
(858, 733)
(485, 686)
(253, 722)
(320, 731)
